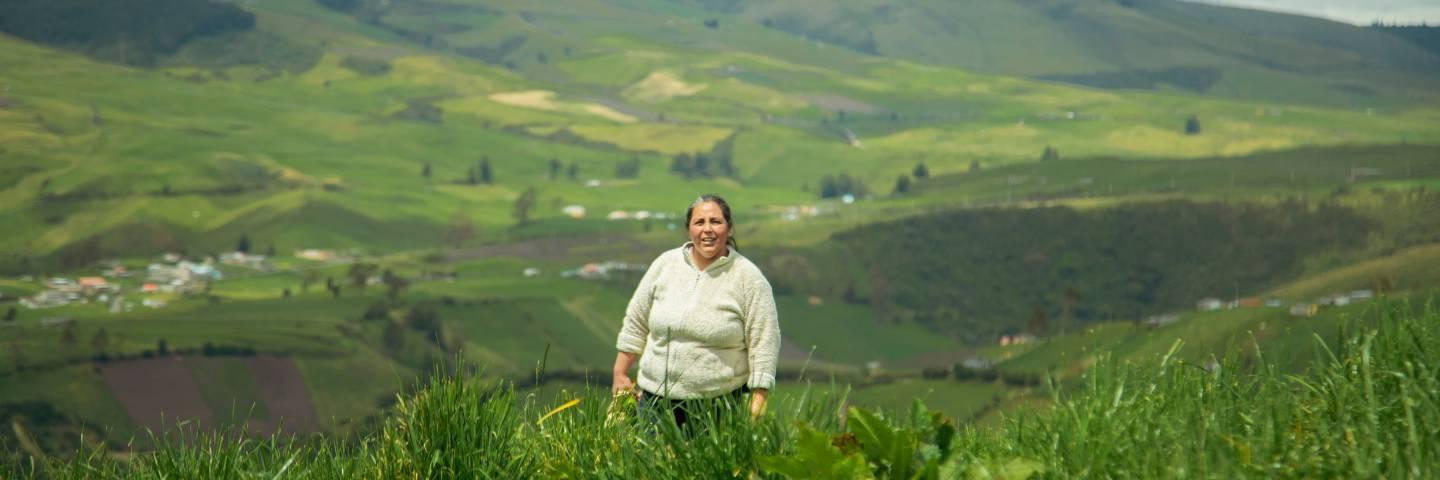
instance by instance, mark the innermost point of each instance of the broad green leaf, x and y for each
(815, 457)
(891, 451)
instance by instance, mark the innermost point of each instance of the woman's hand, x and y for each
(620, 376)
(757, 402)
(622, 384)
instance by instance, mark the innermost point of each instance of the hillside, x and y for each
(1128, 44)
(334, 155)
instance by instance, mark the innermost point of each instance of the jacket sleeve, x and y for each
(762, 332)
(635, 327)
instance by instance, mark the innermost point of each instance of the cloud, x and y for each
(1360, 12)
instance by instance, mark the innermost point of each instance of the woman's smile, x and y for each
(709, 231)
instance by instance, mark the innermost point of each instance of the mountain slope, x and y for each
(1224, 51)
(102, 159)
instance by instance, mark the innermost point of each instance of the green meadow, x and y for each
(366, 133)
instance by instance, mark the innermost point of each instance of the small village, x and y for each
(121, 288)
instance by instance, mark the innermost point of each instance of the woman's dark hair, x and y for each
(724, 211)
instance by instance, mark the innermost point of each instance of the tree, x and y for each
(628, 168)
(1192, 125)
(974, 166)
(394, 284)
(425, 171)
(521, 211)
(377, 310)
(1071, 298)
(11, 314)
(162, 348)
(285, 293)
(67, 336)
(460, 230)
(100, 341)
(1038, 323)
(485, 174)
(712, 23)
(921, 171)
(702, 165)
(243, 246)
(17, 357)
(682, 164)
(902, 185)
(572, 171)
(360, 273)
(423, 318)
(554, 168)
(310, 278)
(828, 188)
(393, 337)
(725, 166)
(472, 177)
(1050, 154)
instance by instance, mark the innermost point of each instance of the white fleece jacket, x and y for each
(702, 334)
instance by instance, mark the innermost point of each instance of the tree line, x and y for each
(134, 32)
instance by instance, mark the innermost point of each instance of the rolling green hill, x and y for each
(1131, 44)
(107, 159)
(363, 127)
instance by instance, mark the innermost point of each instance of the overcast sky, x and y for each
(1360, 12)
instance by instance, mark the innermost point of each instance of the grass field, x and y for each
(100, 161)
(1357, 414)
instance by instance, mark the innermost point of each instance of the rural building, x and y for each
(1021, 339)
(164, 274)
(94, 285)
(316, 255)
(574, 211)
(977, 363)
(1304, 309)
(242, 259)
(1209, 304)
(45, 299)
(1157, 321)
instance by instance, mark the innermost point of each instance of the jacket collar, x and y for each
(724, 260)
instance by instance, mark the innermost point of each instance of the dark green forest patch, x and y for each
(134, 32)
(977, 273)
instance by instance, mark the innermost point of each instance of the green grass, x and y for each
(1069, 354)
(963, 401)
(229, 389)
(1363, 411)
(852, 334)
(1268, 175)
(1409, 269)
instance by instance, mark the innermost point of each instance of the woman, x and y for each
(702, 322)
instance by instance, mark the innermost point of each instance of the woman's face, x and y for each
(708, 230)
